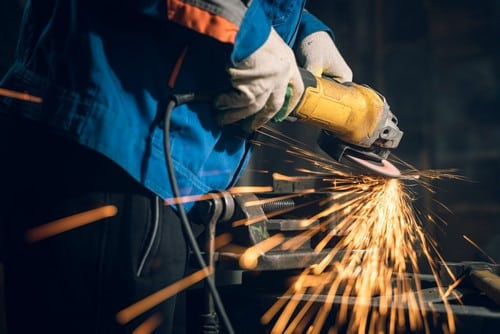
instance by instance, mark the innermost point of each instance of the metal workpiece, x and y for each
(481, 276)
(256, 218)
(251, 218)
(487, 282)
(459, 269)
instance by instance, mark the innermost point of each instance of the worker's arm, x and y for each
(262, 65)
(228, 21)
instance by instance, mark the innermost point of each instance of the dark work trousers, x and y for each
(77, 281)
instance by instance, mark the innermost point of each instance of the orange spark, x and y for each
(68, 223)
(453, 286)
(379, 239)
(282, 177)
(250, 258)
(20, 96)
(250, 189)
(249, 221)
(294, 243)
(134, 310)
(149, 325)
(188, 199)
(203, 197)
(372, 259)
(222, 240)
(475, 245)
(274, 309)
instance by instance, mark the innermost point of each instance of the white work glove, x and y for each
(261, 82)
(318, 54)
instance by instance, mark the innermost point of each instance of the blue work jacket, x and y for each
(105, 71)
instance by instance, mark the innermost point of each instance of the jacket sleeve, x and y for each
(228, 21)
(219, 19)
(310, 24)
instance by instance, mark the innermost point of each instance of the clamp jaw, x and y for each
(252, 218)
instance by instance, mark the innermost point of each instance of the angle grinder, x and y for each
(358, 125)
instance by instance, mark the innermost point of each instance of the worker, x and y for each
(87, 137)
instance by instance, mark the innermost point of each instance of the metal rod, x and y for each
(487, 282)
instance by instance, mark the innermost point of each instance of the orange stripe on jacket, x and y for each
(202, 21)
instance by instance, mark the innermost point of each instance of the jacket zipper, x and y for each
(152, 238)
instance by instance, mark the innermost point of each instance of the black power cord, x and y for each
(174, 101)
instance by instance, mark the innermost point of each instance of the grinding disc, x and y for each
(382, 167)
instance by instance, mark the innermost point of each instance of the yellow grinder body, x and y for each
(356, 114)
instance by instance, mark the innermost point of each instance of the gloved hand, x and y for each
(261, 82)
(318, 54)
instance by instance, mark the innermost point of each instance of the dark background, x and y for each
(438, 64)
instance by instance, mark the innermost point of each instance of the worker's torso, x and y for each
(104, 82)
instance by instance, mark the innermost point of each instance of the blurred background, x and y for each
(438, 64)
